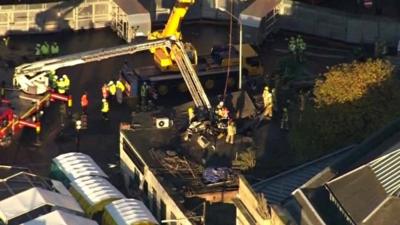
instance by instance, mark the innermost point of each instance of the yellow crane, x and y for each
(163, 56)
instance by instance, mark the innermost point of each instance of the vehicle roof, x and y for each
(247, 49)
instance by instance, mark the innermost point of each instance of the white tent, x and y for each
(75, 165)
(95, 189)
(32, 199)
(58, 217)
(129, 212)
(94, 193)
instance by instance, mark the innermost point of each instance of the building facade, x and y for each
(253, 209)
(138, 176)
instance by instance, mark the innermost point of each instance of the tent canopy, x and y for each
(75, 165)
(34, 198)
(130, 212)
(58, 217)
(95, 189)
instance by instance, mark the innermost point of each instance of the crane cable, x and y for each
(229, 52)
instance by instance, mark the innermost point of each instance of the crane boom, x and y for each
(162, 56)
(32, 77)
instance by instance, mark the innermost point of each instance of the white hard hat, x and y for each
(103, 100)
(221, 103)
(111, 82)
(65, 75)
(266, 88)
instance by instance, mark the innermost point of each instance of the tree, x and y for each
(351, 101)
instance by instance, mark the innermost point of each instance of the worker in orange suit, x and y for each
(84, 102)
(104, 91)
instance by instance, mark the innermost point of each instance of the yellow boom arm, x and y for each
(162, 56)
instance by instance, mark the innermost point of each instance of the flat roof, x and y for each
(183, 167)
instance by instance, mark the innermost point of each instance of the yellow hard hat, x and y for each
(190, 109)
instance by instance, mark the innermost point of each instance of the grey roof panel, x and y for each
(358, 192)
(279, 187)
(385, 213)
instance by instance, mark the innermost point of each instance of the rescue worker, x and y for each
(285, 119)
(231, 132)
(112, 88)
(84, 102)
(267, 98)
(104, 91)
(54, 48)
(292, 45)
(52, 84)
(218, 110)
(61, 86)
(274, 100)
(120, 91)
(38, 51)
(45, 49)
(67, 82)
(191, 114)
(224, 113)
(120, 86)
(302, 104)
(144, 93)
(6, 41)
(3, 90)
(105, 108)
(300, 47)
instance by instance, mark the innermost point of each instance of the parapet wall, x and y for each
(337, 25)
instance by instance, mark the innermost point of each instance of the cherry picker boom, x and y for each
(32, 78)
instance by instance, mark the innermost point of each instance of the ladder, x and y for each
(190, 76)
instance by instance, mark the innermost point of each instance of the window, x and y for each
(146, 193)
(132, 155)
(173, 217)
(253, 61)
(163, 209)
(154, 203)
